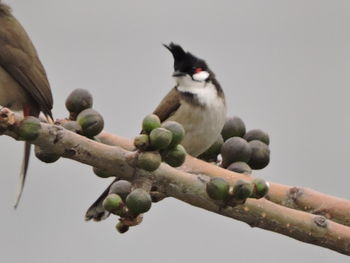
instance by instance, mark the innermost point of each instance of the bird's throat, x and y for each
(202, 95)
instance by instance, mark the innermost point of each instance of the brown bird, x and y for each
(23, 82)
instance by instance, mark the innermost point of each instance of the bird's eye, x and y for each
(197, 70)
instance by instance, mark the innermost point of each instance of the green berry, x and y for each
(175, 157)
(234, 127)
(150, 122)
(149, 161)
(242, 190)
(261, 188)
(121, 228)
(141, 142)
(177, 130)
(160, 138)
(29, 128)
(91, 122)
(113, 203)
(103, 173)
(218, 189)
(138, 201)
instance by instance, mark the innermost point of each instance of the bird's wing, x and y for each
(169, 105)
(20, 59)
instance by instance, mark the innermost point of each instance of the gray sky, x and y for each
(284, 66)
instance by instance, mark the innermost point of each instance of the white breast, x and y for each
(202, 124)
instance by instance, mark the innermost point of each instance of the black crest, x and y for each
(185, 61)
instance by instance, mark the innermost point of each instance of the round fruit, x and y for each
(175, 157)
(234, 127)
(261, 188)
(91, 122)
(212, 153)
(218, 189)
(260, 157)
(160, 138)
(242, 190)
(44, 156)
(121, 228)
(150, 122)
(177, 131)
(29, 128)
(78, 100)
(121, 187)
(149, 161)
(101, 172)
(257, 135)
(138, 201)
(234, 150)
(240, 167)
(112, 203)
(141, 142)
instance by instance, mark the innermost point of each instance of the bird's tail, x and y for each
(96, 211)
(23, 173)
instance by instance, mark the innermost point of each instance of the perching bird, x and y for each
(197, 102)
(23, 82)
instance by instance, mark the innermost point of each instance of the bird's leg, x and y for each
(26, 110)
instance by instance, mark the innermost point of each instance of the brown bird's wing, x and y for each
(168, 105)
(20, 59)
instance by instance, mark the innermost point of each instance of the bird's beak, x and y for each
(178, 74)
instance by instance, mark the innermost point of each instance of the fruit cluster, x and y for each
(156, 143)
(127, 203)
(219, 189)
(82, 120)
(159, 142)
(241, 151)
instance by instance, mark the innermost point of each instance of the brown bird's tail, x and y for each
(23, 174)
(96, 211)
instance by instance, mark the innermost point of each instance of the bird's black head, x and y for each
(186, 63)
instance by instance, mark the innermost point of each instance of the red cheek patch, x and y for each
(197, 70)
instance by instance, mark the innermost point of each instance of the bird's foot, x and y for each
(7, 118)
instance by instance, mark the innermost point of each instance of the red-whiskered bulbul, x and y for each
(23, 82)
(197, 102)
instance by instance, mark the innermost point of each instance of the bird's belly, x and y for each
(202, 126)
(12, 94)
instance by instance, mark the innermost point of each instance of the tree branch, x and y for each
(188, 184)
(299, 198)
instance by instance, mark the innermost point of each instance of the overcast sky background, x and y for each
(284, 66)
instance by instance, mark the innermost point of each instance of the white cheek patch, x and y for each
(201, 76)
